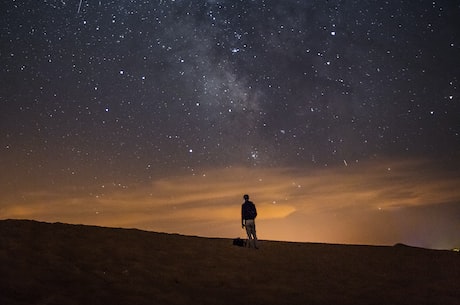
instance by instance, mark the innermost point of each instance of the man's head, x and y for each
(246, 197)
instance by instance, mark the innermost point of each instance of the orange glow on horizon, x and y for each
(352, 204)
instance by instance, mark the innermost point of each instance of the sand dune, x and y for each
(44, 263)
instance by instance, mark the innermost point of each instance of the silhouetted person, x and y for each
(248, 216)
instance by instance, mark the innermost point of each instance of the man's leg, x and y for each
(248, 232)
(254, 235)
(251, 231)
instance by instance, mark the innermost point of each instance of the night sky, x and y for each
(341, 119)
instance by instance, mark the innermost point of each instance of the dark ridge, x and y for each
(44, 263)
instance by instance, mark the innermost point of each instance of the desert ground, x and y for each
(44, 263)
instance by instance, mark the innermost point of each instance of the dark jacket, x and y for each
(248, 210)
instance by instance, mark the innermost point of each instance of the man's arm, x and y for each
(242, 217)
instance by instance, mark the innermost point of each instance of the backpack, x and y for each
(239, 242)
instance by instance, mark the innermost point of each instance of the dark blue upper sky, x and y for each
(135, 89)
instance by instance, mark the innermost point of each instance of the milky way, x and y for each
(126, 93)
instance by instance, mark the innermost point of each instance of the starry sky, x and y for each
(341, 119)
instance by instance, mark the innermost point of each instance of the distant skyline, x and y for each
(339, 118)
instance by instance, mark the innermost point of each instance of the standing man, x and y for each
(248, 216)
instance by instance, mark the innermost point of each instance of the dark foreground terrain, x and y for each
(42, 263)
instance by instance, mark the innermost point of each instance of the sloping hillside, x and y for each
(44, 263)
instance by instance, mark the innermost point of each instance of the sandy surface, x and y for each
(43, 263)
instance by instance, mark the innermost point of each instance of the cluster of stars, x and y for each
(179, 85)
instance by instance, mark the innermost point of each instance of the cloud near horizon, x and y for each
(295, 204)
